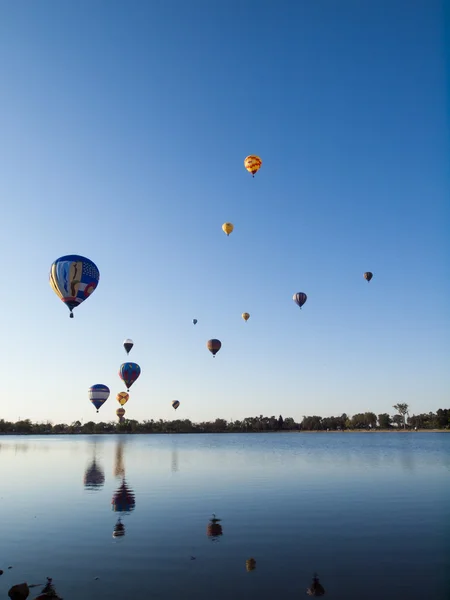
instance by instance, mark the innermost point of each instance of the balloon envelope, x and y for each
(299, 298)
(252, 163)
(98, 394)
(195, 321)
(214, 346)
(120, 412)
(175, 404)
(122, 398)
(245, 316)
(128, 373)
(228, 228)
(128, 344)
(73, 278)
(368, 276)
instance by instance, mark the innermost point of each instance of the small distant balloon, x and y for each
(228, 228)
(299, 298)
(252, 163)
(120, 412)
(98, 394)
(73, 278)
(122, 398)
(128, 373)
(175, 404)
(214, 346)
(245, 316)
(128, 344)
(368, 276)
(195, 321)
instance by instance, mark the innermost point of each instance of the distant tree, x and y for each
(280, 422)
(384, 421)
(403, 410)
(442, 418)
(398, 420)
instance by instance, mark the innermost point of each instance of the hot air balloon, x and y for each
(128, 344)
(98, 394)
(73, 278)
(245, 316)
(252, 163)
(228, 228)
(299, 298)
(214, 346)
(120, 412)
(128, 373)
(195, 321)
(122, 398)
(175, 404)
(368, 276)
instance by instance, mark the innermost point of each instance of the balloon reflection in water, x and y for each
(315, 589)
(214, 529)
(123, 500)
(250, 564)
(119, 529)
(119, 467)
(94, 476)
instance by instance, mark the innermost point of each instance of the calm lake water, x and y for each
(369, 512)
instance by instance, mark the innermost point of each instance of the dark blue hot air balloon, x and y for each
(73, 278)
(299, 298)
(98, 394)
(128, 373)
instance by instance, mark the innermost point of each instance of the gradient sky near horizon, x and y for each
(124, 127)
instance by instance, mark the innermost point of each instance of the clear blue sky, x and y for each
(124, 127)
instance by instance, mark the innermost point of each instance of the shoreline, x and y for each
(324, 431)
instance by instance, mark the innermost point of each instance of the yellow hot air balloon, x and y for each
(122, 398)
(252, 163)
(228, 228)
(245, 316)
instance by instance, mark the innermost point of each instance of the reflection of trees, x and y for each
(94, 476)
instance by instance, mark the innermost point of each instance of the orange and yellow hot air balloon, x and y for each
(122, 398)
(228, 228)
(252, 163)
(120, 412)
(245, 316)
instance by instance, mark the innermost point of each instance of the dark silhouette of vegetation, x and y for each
(361, 421)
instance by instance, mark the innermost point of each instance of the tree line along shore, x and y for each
(367, 422)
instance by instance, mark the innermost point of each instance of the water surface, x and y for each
(369, 512)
